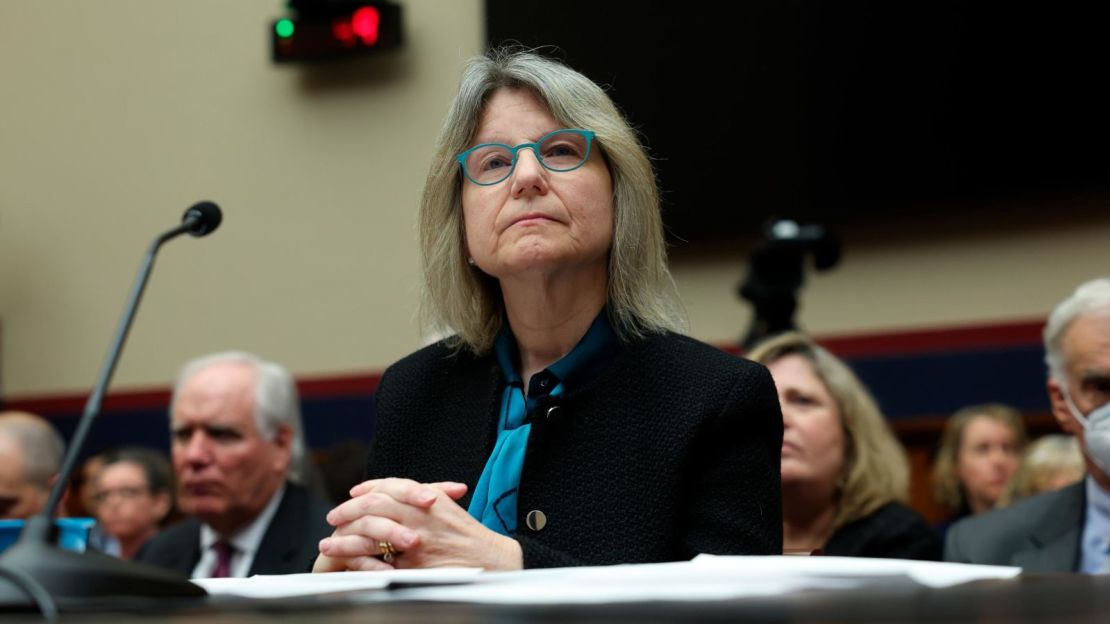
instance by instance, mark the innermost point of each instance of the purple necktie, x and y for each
(222, 569)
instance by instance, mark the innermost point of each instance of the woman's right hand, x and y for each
(418, 495)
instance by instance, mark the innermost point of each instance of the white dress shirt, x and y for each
(245, 543)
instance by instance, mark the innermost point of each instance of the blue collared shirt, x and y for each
(495, 497)
(1096, 530)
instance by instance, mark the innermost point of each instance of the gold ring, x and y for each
(387, 550)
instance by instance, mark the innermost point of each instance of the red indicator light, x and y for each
(334, 30)
(364, 23)
(341, 30)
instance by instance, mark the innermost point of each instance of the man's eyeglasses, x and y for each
(124, 493)
(561, 150)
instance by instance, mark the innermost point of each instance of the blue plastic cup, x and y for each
(73, 533)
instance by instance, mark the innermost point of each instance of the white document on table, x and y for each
(308, 584)
(705, 578)
(929, 573)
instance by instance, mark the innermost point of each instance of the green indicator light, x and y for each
(284, 28)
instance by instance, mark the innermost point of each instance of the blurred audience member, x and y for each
(1051, 462)
(343, 467)
(30, 455)
(844, 474)
(979, 454)
(238, 455)
(1066, 530)
(82, 486)
(133, 495)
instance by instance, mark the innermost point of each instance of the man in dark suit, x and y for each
(1067, 530)
(238, 457)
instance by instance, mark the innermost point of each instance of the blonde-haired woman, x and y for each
(1050, 462)
(844, 475)
(979, 455)
(565, 422)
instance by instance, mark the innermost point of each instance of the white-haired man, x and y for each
(30, 454)
(237, 453)
(1067, 530)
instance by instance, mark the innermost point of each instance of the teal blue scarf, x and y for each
(494, 502)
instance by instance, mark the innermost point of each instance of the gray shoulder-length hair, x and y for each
(459, 298)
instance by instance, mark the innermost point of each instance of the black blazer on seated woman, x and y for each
(892, 531)
(671, 451)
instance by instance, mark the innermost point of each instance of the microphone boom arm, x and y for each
(33, 567)
(92, 406)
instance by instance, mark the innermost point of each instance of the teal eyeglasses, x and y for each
(561, 150)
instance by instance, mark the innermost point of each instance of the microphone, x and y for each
(37, 570)
(202, 218)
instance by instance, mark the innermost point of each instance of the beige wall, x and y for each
(968, 265)
(118, 114)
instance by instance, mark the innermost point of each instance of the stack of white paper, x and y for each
(288, 585)
(704, 578)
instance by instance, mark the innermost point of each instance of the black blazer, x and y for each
(892, 531)
(671, 451)
(290, 543)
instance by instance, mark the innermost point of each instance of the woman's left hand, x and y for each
(445, 534)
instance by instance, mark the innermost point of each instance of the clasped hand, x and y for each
(422, 521)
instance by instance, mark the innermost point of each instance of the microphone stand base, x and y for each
(70, 579)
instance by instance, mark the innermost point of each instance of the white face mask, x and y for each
(1096, 431)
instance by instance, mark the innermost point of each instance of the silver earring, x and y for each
(470, 261)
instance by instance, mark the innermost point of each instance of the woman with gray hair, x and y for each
(564, 422)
